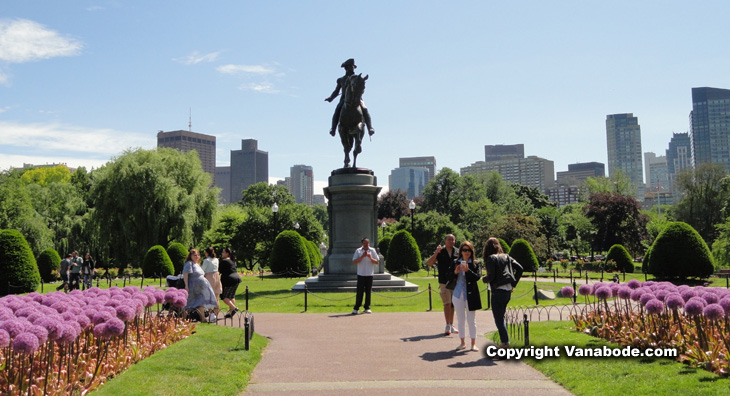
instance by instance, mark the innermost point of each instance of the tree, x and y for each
(157, 263)
(680, 252)
(18, 268)
(383, 245)
(289, 255)
(706, 191)
(513, 227)
(151, 197)
(48, 263)
(575, 228)
(315, 257)
(537, 199)
(549, 218)
(623, 259)
(177, 254)
(616, 220)
(393, 205)
(505, 246)
(225, 231)
(17, 212)
(264, 195)
(46, 175)
(618, 183)
(403, 253)
(523, 253)
(479, 217)
(429, 230)
(448, 193)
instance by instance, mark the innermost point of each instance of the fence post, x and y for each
(571, 276)
(727, 282)
(575, 292)
(124, 281)
(247, 334)
(306, 291)
(141, 283)
(624, 272)
(246, 298)
(586, 277)
(645, 277)
(430, 303)
(601, 274)
(527, 329)
(489, 299)
(537, 302)
(555, 273)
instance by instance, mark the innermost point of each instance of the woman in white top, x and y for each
(210, 268)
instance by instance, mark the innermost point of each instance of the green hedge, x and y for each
(17, 264)
(680, 252)
(505, 246)
(383, 245)
(403, 253)
(315, 257)
(48, 263)
(177, 253)
(621, 256)
(523, 253)
(289, 255)
(157, 263)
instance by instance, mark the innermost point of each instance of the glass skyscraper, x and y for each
(710, 126)
(623, 135)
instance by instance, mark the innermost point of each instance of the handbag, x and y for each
(451, 285)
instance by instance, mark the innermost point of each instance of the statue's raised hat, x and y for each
(350, 62)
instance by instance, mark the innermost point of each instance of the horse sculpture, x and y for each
(352, 126)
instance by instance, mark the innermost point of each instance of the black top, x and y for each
(229, 275)
(502, 269)
(88, 266)
(444, 261)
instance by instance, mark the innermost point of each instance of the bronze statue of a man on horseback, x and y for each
(351, 114)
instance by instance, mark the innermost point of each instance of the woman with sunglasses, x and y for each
(466, 299)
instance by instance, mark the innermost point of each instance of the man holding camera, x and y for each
(445, 255)
(365, 258)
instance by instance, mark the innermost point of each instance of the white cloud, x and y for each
(195, 58)
(4, 109)
(262, 87)
(22, 40)
(236, 69)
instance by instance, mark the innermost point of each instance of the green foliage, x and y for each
(447, 193)
(523, 253)
(315, 257)
(264, 195)
(177, 254)
(618, 183)
(479, 217)
(645, 261)
(17, 264)
(289, 255)
(505, 246)
(429, 230)
(705, 195)
(17, 212)
(393, 205)
(48, 263)
(680, 252)
(516, 226)
(151, 197)
(225, 231)
(157, 263)
(383, 245)
(403, 253)
(46, 175)
(621, 256)
(617, 220)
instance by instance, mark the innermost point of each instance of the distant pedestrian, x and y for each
(444, 256)
(210, 268)
(88, 268)
(365, 258)
(503, 273)
(74, 277)
(63, 272)
(466, 297)
(229, 280)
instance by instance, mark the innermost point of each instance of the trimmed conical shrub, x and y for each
(48, 263)
(505, 246)
(315, 257)
(645, 261)
(177, 253)
(523, 253)
(18, 268)
(383, 245)
(680, 252)
(621, 256)
(289, 255)
(157, 263)
(403, 253)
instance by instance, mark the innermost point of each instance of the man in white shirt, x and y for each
(365, 258)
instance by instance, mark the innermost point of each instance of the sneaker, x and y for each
(447, 330)
(461, 347)
(367, 311)
(454, 330)
(354, 311)
(212, 318)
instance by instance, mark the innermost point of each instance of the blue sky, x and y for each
(82, 81)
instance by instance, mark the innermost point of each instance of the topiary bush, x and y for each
(505, 246)
(315, 257)
(17, 264)
(289, 255)
(523, 253)
(680, 252)
(645, 261)
(157, 263)
(403, 253)
(177, 253)
(383, 245)
(48, 263)
(621, 256)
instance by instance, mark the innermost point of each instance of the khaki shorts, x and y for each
(445, 293)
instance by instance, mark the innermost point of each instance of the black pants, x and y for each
(500, 299)
(73, 280)
(364, 284)
(64, 284)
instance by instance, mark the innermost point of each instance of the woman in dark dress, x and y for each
(229, 279)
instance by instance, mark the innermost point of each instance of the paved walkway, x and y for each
(382, 354)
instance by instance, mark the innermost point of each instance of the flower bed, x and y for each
(58, 343)
(695, 320)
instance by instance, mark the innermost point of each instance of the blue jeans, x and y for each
(500, 299)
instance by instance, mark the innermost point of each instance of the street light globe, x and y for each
(296, 225)
(411, 205)
(382, 224)
(274, 207)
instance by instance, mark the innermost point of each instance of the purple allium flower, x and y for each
(700, 300)
(53, 325)
(114, 327)
(126, 312)
(654, 306)
(584, 290)
(675, 301)
(725, 304)
(35, 296)
(25, 312)
(645, 298)
(661, 294)
(103, 316)
(180, 301)
(687, 294)
(60, 307)
(648, 283)
(693, 307)
(159, 296)
(67, 316)
(25, 343)
(113, 302)
(567, 291)
(150, 299)
(633, 284)
(39, 332)
(603, 293)
(100, 331)
(637, 293)
(170, 295)
(711, 298)
(69, 334)
(4, 338)
(713, 311)
(184, 293)
(75, 293)
(131, 290)
(14, 327)
(624, 292)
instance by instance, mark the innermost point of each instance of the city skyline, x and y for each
(445, 81)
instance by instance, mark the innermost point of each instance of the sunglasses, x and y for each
(467, 250)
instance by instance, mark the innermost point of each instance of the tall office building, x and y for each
(223, 181)
(301, 183)
(187, 141)
(623, 136)
(577, 173)
(710, 126)
(657, 174)
(410, 180)
(679, 157)
(498, 152)
(249, 165)
(531, 171)
(420, 162)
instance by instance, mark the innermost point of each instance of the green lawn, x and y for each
(211, 362)
(620, 376)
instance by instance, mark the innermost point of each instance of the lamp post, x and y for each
(383, 225)
(296, 226)
(412, 207)
(275, 209)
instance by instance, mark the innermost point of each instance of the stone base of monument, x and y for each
(348, 283)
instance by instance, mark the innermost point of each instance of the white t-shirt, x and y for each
(365, 267)
(210, 264)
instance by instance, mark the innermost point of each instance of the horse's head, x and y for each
(356, 86)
